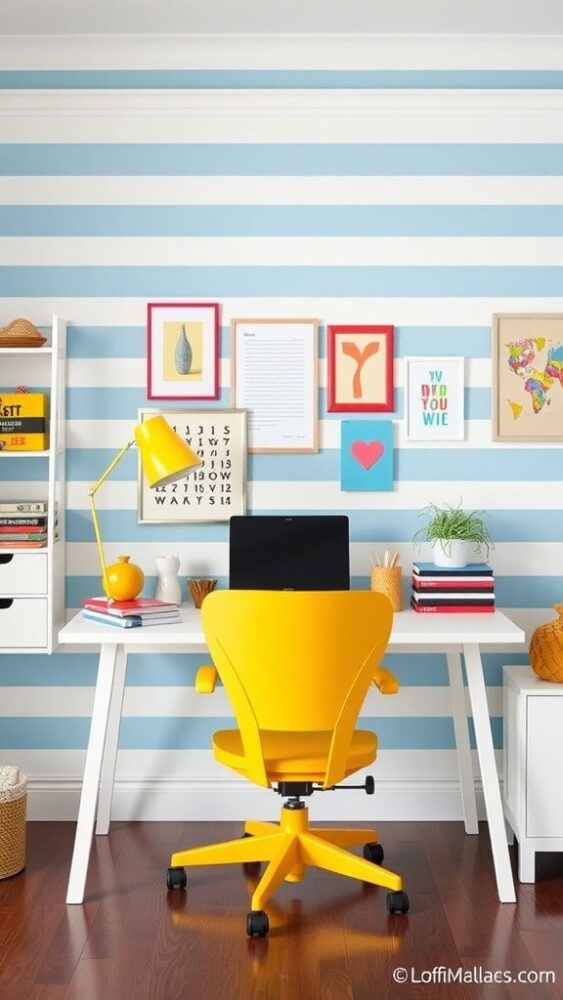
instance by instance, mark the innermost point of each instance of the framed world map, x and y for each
(528, 377)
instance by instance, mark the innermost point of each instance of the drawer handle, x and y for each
(6, 558)
(5, 603)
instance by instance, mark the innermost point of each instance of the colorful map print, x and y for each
(528, 360)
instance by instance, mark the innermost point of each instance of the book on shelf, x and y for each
(20, 521)
(144, 607)
(131, 621)
(22, 529)
(453, 598)
(23, 536)
(470, 572)
(23, 507)
(458, 609)
(480, 584)
(23, 545)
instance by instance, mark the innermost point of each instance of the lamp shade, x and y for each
(164, 456)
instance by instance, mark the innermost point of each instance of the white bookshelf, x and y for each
(32, 581)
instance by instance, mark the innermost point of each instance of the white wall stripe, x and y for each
(212, 558)
(163, 702)
(304, 251)
(282, 190)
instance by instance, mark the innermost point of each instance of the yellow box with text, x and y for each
(24, 421)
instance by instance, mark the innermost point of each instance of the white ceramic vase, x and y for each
(168, 585)
(453, 554)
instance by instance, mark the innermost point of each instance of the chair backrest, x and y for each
(293, 661)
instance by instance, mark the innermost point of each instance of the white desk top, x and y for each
(409, 629)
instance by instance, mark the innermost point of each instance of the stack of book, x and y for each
(439, 589)
(23, 524)
(131, 614)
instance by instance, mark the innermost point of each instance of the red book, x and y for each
(22, 529)
(462, 609)
(485, 583)
(23, 545)
(121, 609)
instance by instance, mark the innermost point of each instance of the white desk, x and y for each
(449, 634)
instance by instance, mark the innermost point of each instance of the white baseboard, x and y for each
(209, 799)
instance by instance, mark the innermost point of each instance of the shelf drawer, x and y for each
(23, 573)
(23, 622)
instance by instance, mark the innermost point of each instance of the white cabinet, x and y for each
(533, 752)
(38, 574)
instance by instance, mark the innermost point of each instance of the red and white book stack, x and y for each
(139, 613)
(442, 590)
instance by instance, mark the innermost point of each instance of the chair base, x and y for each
(290, 847)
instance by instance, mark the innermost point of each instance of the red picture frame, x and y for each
(182, 312)
(347, 391)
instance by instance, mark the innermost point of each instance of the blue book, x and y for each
(472, 569)
(132, 621)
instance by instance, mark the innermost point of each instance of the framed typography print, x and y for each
(217, 489)
(528, 377)
(182, 350)
(360, 369)
(434, 399)
(274, 377)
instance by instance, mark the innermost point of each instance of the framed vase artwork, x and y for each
(360, 369)
(182, 350)
(366, 456)
(528, 377)
(217, 489)
(434, 399)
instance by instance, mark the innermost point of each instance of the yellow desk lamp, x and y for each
(164, 459)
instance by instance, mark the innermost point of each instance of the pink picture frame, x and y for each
(183, 350)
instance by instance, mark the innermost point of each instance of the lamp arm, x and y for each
(92, 493)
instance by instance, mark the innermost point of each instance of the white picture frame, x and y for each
(214, 492)
(434, 402)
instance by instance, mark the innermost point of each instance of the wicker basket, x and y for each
(546, 649)
(199, 589)
(21, 333)
(13, 800)
(387, 580)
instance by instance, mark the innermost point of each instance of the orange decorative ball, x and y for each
(125, 580)
(546, 649)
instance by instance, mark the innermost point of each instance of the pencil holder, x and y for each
(387, 580)
(199, 589)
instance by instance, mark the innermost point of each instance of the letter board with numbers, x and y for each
(217, 489)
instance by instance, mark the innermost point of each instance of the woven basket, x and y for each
(13, 800)
(546, 649)
(21, 333)
(199, 589)
(387, 580)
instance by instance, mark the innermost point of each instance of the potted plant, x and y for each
(456, 535)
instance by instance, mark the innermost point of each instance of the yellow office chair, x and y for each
(296, 667)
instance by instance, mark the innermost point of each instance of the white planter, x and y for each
(453, 553)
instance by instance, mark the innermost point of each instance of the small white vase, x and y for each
(168, 585)
(453, 554)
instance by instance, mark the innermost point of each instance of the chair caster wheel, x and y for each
(373, 852)
(257, 924)
(176, 879)
(370, 785)
(397, 902)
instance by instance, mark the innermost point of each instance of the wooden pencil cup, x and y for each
(199, 589)
(387, 580)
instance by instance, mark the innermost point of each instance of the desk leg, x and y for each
(465, 767)
(489, 777)
(90, 783)
(112, 736)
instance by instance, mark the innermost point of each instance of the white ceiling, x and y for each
(131, 17)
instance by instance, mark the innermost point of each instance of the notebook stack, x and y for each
(23, 524)
(131, 614)
(442, 590)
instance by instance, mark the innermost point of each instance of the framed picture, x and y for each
(183, 350)
(360, 369)
(366, 458)
(528, 377)
(217, 489)
(434, 399)
(274, 377)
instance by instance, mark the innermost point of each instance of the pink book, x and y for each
(144, 606)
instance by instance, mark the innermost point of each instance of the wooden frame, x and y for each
(313, 389)
(334, 405)
(154, 384)
(444, 434)
(538, 318)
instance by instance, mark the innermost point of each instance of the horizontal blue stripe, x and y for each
(280, 79)
(281, 220)
(123, 341)
(280, 282)
(511, 591)
(178, 733)
(179, 669)
(275, 159)
(365, 526)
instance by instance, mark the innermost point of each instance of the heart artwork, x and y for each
(367, 453)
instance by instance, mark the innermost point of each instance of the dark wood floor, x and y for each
(331, 938)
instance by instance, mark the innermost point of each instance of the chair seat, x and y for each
(299, 756)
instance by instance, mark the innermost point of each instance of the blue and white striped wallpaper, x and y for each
(432, 237)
